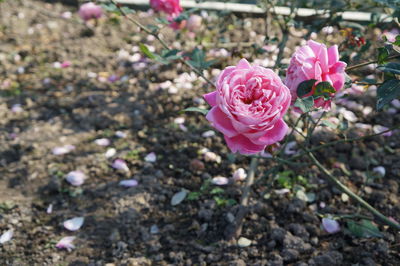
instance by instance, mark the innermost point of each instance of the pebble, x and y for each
(244, 242)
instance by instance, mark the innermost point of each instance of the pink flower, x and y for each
(89, 11)
(315, 61)
(248, 107)
(194, 23)
(175, 25)
(171, 7)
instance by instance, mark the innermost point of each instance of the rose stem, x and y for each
(352, 195)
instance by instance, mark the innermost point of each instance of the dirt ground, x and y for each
(105, 91)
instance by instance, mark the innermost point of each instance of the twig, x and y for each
(382, 218)
(236, 228)
(160, 40)
(369, 62)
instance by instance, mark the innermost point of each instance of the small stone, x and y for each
(289, 255)
(244, 242)
(154, 229)
(178, 197)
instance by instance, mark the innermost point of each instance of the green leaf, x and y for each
(217, 190)
(197, 59)
(324, 89)
(195, 109)
(170, 54)
(193, 195)
(387, 92)
(146, 51)
(162, 21)
(305, 87)
(383, 54)
(328, 124)
(305, 104)
(364, 228)
(393, 68)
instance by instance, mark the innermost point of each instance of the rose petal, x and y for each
(63, 149)
(379, 170)
(76, 178)
(49, 209)
(110, 153)
(102, 142)
(220, 181)
(331, 226)
(74, 224)
(128, 183)
(151, 157)
(120, 164)
(239, 174)
(6, 236)
(66, 242)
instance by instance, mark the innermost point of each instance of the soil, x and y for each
(103, 92)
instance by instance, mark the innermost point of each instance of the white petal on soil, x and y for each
(76, 178)
(179, 120)
(178, 197)
(212, 157)
(110, 152)
(6, 236)
(120, 164)
(102, 142)
(66, 242)
(380, 170)
(49, 209)
(209, 133)
(239, 174)
(74, 224)
(63, 149)
(330, 226)
(244, 242)
(220, 181)
(16, 108)
(378, 129)
(282, 191)
(120, 134)
(151, 157)
(289, 149)
(128, 183)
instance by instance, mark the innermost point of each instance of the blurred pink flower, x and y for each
(171, 7)
(391, 34)
(194, 23)
(248, 107)
(315, 61)
(89, 11)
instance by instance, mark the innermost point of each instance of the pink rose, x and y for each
(89, 11)
(174, 24)
(171, 7)
(315, 61)
(248, 107)
(194, 23)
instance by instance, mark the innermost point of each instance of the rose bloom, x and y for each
(89, 11)
(171, 7)
(315, 61)
(248, 107)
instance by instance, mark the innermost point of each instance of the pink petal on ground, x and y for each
(66, 64)
(151, 157)
(120, 134)
(16, 108)
(110, 152)
(239, 174)
(102, 142)
(128, 183)
(331, 226)
(49, 209)
(76, 178)
(74, 224)
(6, 236)
(208, 133)
(120, 164)
(378, 129)
(220, 181)
(379, 170)
(210, 156)
(66, 242)
(63, 149)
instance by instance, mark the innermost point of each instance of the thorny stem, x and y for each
(160, 40)
(244, 201)
(382, 218)
(369, 62)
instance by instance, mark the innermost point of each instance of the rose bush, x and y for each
(248, 106)
(315, 61)
(90, 11)
(170, 7)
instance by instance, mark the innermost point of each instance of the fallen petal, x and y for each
(220, 181)
(76, 178)
(379, 170)
(102, 142)
(209, 133)
(6, 236)
(110, 153)
(379, 129)
(74, 224)
(66, 242)
(128, 183)
(331, 226)
(289, 149)
(178, 197)
(49, 209)
(239, 174)
(120, 134)
(179, 120)
(151, 157)
(120, 164)
(63, 149)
